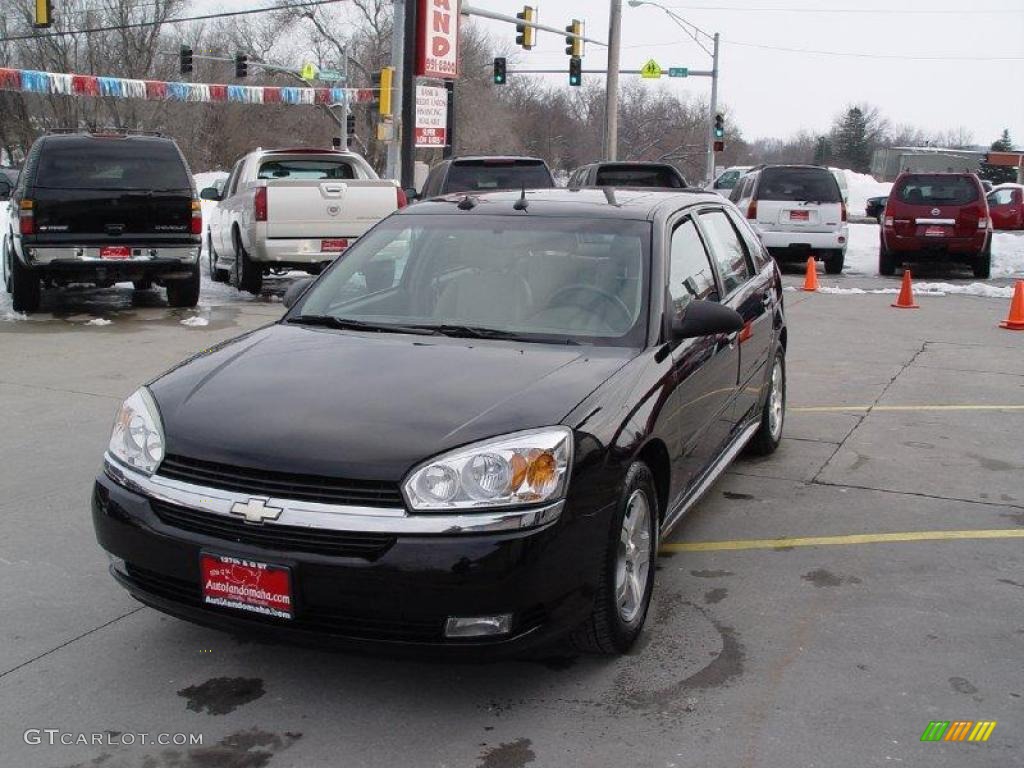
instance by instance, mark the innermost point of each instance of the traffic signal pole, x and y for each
(394, 163)
(611, 125)
(714, 110)
(408, 99)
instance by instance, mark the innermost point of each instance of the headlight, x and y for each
(523, 468)
(138, 436)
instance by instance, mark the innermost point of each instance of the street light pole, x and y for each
(611, 131)
(398, 62)
(714, 111)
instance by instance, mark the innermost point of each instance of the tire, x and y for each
(834, 261)
(184, 293)
(886, 263)
(5, 263)
(611, 628)
(142, 285)
(773, 415)
(248, 276)
(216, 275)
(26, 290)
(982, 264)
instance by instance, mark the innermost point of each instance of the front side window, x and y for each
(558, 281)
(728, 250)
(691, 277)
(1001, 197)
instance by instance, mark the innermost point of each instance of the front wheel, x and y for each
(769, 434)
(626, 581)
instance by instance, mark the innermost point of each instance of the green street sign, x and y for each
(651, 70)
(330, 76)
(678, 72)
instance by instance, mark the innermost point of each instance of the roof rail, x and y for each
(94, 131)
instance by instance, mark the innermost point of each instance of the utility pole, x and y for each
(714, 111)
(345, 107)
(398, 62)
(449, 148)
(408, 163)
(611, 130)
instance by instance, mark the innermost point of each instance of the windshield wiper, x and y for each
(344, 324)
(476, 332)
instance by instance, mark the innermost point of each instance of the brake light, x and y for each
(197, 218)
(403, 199)
(27, 218)
(844, 214)
(752, 210)
(260, 204)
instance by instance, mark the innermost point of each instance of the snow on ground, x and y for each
(861, 186)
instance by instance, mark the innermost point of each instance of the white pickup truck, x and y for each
(292, 209)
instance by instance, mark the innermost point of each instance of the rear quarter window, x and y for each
(114, 164)
(936, 190)
(799, 184)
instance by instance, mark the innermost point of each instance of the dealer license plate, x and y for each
(115, 252)
(935, 232)
(333, 246)
(247, 585)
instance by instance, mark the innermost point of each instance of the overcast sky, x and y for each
(775, 93)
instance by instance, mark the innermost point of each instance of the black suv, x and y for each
(486, 174)
(642, 175)
(103, 208)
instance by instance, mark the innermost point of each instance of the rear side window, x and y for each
(816, 185)
(728, 250)
(639, 177)
(936, 190)
(305, 170)
(489, 176)
(1001, 197)
(114, 164)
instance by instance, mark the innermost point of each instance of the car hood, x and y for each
(365, 405)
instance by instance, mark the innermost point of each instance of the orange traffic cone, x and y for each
(811, 280)
(1015, 320)
(906, 297)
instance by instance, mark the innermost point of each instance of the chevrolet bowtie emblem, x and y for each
(256, 511)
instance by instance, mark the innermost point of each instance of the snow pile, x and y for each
(195, 322)
(1008, 254)
(861, 186)
(973, 289)
(100, 322)
(11, 316)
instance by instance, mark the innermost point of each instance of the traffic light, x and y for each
(500, 71)
(350, 126)
(241, 65)
(387, 84)
(575, 71)
(44, 14)
(719, 126)
(186, 59)
(527, 34)
(574, 39)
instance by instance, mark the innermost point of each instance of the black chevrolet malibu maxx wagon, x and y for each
(471, 432)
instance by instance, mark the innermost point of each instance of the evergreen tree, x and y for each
(999, 174)
(850, 140)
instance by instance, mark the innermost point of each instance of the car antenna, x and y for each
(468, 203)
(522, 203)
(609, 195)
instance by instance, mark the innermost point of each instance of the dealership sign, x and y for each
(431, 116)
(437, 39)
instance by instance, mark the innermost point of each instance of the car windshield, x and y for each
(639, 176)
(539, 279)
(937, 190)
(494, 175)
(305, 170)
(116, 163)
(816, 185)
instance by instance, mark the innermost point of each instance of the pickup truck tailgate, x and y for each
(311, 209)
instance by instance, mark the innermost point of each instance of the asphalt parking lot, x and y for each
(795, 624)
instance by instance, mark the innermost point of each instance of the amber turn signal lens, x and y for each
(542, 473)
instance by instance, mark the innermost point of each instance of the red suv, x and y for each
(937, 217)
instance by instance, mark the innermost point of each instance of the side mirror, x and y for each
(5, 190)
(210, 193)
(706, 318)
(295, 290)
(411, 194)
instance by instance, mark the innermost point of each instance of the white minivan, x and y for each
(798, 211)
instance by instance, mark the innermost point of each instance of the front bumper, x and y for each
(359, 587)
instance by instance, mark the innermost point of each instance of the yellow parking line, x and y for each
(832, 541)
(865, 408)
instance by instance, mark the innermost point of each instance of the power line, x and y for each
(180, 20)
(874, 11)
(843, 54)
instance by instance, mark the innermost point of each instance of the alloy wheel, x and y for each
(777, 401)
(634, 557)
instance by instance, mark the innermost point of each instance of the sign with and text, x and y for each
(437, 39)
